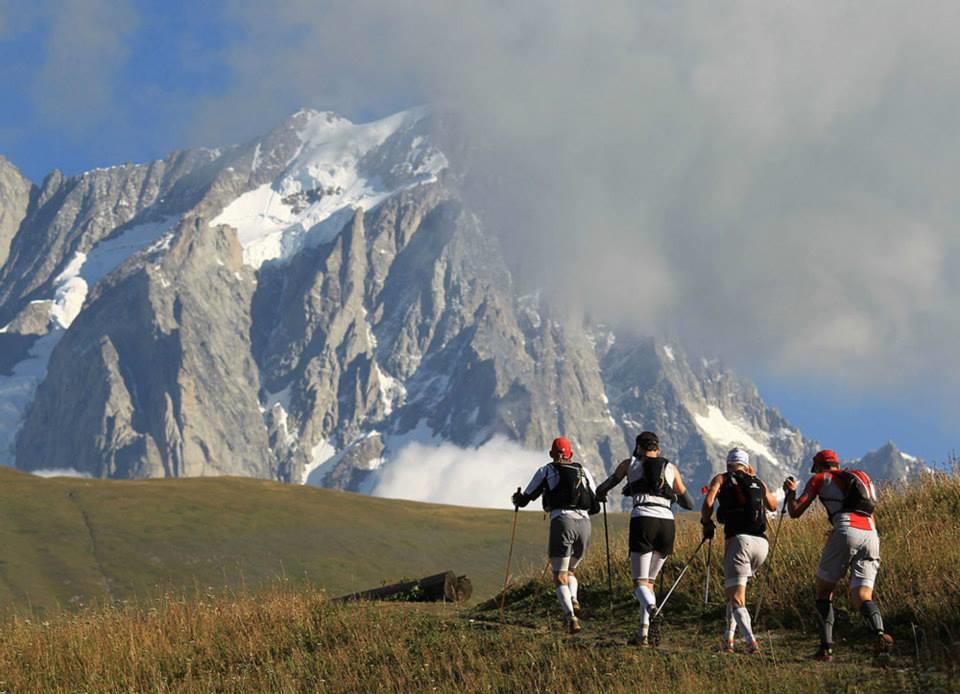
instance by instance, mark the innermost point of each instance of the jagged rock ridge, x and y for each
(890, 464)
(301, 307)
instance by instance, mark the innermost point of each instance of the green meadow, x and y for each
(223, 585)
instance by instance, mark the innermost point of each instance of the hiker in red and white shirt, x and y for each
(849, 498)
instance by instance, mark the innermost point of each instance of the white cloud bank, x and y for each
(61, 472)
(486, 476)
(771, 180)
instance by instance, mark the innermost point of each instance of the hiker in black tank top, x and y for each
(654, 484)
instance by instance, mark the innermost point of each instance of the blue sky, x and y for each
(168, 55)
(854, 423)
(796, 202)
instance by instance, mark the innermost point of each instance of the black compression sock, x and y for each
(825, 611)
(871, 613)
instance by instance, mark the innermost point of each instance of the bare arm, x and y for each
(796, 506)
(614, 479)
(706, 511)
(678, 486)
(769, 498)
(683, 498)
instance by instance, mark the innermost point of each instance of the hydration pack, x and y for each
(857, 497)
(653, 481)
(742, 501)
(572, 490)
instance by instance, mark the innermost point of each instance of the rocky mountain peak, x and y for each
(308, 305)
(889, 463)
(15, 193)
(330, 166)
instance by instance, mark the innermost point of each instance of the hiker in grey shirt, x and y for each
(568, 494)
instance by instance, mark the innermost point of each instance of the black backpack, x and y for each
(856, 497)
(572, 490)
(742, 504)
(653, 481)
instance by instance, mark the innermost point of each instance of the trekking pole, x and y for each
(773, 548)
(706, 583)
(677, 582)
(506, 577)
(606, 537)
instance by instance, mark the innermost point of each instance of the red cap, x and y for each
(827, 458)
(561, 447)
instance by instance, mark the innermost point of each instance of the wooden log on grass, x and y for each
(442, 587)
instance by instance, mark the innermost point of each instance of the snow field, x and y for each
(327, 179)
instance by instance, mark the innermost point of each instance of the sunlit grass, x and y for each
(290, 638)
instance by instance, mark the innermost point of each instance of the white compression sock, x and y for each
(731, 624)
(649, 599)
(566, 601)
(743, 619)
(644, 597)
(572, 584)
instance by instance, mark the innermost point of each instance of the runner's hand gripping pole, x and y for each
(513, 535)
(677, 582)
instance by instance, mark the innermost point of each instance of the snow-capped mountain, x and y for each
(302, 307)
(889, 463)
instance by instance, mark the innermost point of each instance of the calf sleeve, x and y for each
(646, 598)
(731, 624)
(825, 611)
(572, 584)
(871, 613)
(566, 602)
(743, 620)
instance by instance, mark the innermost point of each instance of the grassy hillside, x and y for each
(289, 638)
(68, 542)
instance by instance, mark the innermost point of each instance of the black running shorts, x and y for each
(652, 535)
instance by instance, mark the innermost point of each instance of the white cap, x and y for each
(738, 456)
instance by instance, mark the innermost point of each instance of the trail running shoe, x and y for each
(753, 648)
(576, 607)
(883, 647)
(639, 639)
(656, 629)
(825, 654)
(728, 646)
(573, 624)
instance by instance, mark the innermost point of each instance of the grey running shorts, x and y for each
(569, 539)
(854, 548)
(743, 556)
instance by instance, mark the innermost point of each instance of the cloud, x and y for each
(61, 472)
(86, 47)
(772, 181)
(447, 474)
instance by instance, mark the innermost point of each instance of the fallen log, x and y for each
(443, 587)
